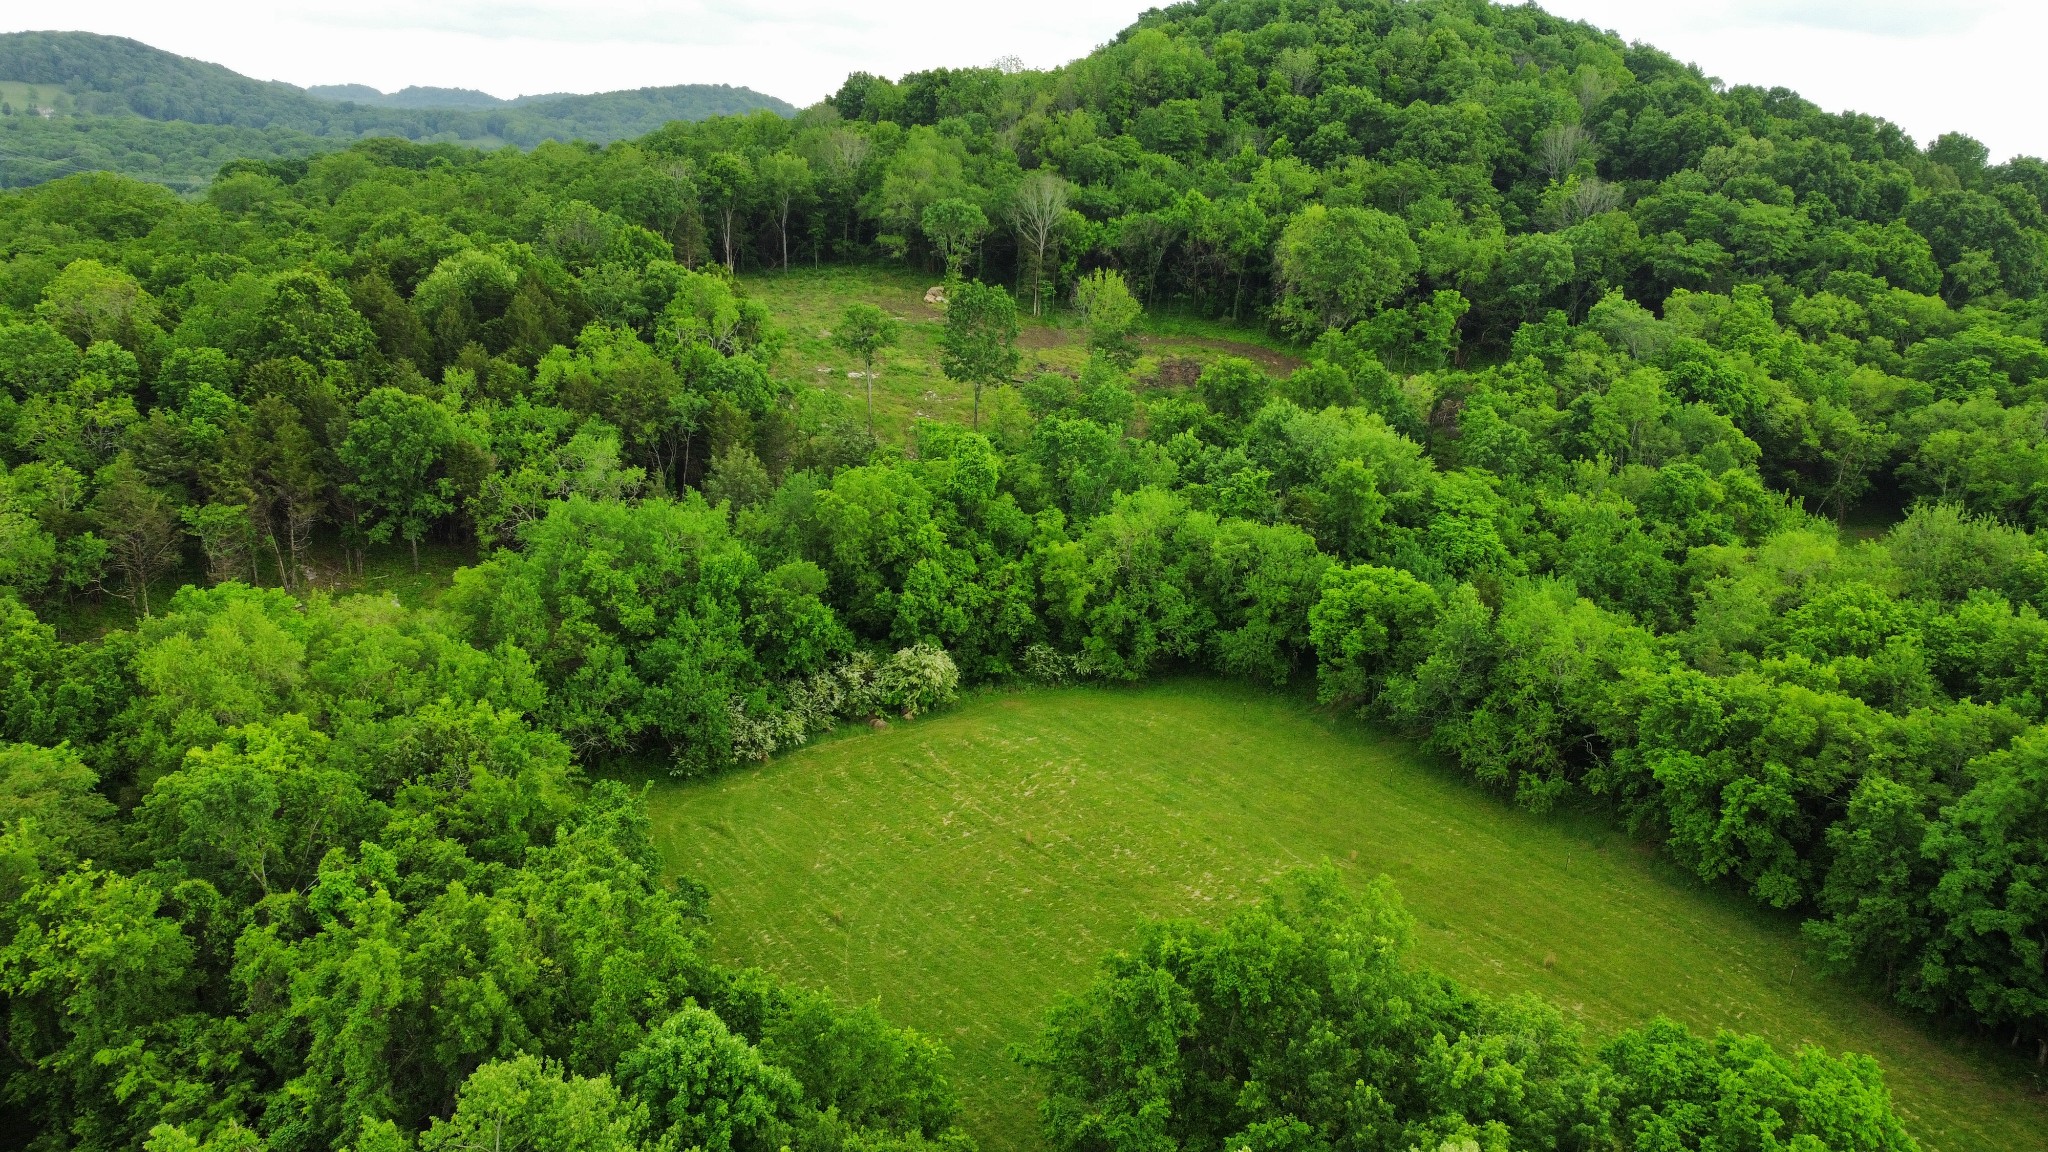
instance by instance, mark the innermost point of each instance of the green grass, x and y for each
(807, 304)
(16, 93)
(966, 869)
(387, 570)
(1874, 517)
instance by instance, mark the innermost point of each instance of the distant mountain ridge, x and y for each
(112, 75)
(417, 96)
(413, 97)
(113, 79)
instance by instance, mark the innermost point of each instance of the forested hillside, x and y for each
(421, 97)
(1600, 358)
(117, 105)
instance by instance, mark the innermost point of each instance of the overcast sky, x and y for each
(1931, 65)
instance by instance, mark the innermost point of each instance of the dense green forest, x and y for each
(73, 102)
(1600, 357)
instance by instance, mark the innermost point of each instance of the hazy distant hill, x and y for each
(414, 97)
(74, 101)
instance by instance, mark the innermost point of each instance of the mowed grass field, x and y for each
(965, 869)
(808, 302)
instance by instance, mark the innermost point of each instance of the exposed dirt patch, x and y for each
(1177, 372)
(1042, 338)
(1037, 338)
(1275, 363)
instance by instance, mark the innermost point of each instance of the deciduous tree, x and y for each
(979, 345)
(866, 331)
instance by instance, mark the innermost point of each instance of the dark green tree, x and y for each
(398, 451)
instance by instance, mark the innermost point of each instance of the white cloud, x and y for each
(799, 50)
(1960, 65)
(683, 24)
(1878, 17)
(1931, 65)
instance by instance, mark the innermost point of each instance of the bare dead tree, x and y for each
(1560, 149)
(1592, 197)
(1037, 210)
(1593, 90)
(840, 156)
(1297, 66)
(844, 152)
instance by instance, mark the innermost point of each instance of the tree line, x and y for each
(355, 897)
(1299, 1023)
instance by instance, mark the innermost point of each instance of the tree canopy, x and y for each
(1655, 448)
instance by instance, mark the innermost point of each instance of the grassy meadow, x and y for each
(807, 304)
(966, 869)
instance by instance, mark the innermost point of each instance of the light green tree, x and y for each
(526, 1104)
(1112, 314)
(865, 331)
(954, 226)
(728, 184)
(88, 301)
(706, 1088)
(1340, 265)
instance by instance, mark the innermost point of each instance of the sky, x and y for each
(1930, 65)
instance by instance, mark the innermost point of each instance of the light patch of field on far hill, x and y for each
(23, 96)
(966, 869)
(808, 302)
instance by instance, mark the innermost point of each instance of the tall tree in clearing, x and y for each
(866, 331)
(979, 345)
(954, 227)
(1111, 314)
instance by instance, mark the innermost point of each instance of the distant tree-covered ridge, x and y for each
(416, 97)
(98, 86)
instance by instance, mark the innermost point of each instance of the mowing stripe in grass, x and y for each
(966, 869)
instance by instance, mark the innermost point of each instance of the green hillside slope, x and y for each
(75, 101)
